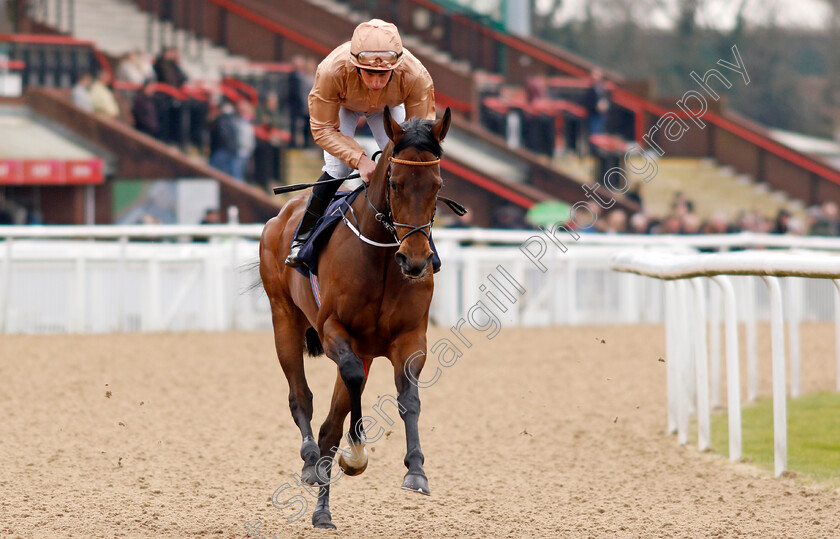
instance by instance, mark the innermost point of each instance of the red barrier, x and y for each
(274, 27)
(491, 186)
(274, 67)
(51, 172)
(39, 39)
(245, 88)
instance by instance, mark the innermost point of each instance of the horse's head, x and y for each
(413, 187)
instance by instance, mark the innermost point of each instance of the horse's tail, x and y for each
(252, 266)
(313, 344)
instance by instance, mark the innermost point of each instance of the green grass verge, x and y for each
(813, 434)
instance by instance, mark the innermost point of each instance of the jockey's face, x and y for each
(375, 80)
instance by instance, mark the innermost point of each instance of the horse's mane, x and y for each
(418, 134)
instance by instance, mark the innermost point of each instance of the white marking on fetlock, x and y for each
(353, 458)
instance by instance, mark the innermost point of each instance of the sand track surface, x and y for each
(538, 433)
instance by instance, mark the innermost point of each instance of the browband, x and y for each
(415, 163)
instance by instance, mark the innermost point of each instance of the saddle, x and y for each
(326, 224)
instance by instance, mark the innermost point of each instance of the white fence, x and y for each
(155, 278)
(688, 362)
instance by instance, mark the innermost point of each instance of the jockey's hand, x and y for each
(366, 168)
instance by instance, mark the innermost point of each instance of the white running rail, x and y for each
(687, 361)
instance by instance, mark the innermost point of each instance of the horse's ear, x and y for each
(440, 129)
(392, 128)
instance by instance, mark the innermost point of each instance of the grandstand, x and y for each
(507, 149)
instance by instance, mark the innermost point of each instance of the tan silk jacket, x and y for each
(337, 84)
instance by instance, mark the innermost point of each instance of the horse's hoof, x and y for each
(309, 475)
(416, 483)
(322, 520)
(353, 466)
(310, 454)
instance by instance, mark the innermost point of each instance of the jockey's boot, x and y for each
(315, 207)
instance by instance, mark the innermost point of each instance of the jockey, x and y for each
(358, 79)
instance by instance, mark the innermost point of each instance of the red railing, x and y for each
(484, 183)
(259, 20)
(39, 39)
(12, 64)
(244, 88)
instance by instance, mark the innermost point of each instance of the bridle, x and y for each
(387, 221)
(386, 218)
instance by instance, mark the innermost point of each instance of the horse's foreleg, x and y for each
(409, 357)
(328, 439)
(352, 370)
(288, 340)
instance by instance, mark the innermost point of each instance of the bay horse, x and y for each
(374, 302)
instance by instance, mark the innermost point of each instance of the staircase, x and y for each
(713, 189)
(119, 26)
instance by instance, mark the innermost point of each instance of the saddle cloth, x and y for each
(324, 228)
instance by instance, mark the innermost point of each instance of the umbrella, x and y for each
(549, 212)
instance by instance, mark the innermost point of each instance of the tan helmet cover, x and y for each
(376, 35)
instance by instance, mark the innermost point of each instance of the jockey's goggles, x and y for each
(384, 60)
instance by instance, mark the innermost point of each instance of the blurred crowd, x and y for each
(238, 130)
(821, 220)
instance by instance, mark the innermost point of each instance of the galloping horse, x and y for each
(374, 302)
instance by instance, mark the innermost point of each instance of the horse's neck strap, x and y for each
(413, 163)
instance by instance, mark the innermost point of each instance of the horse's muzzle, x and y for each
(413, 269)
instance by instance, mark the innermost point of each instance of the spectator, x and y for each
(102, 98)
(300, 84)
(827, 223)
(639, 223)
(795, 227)
(597, 103)
(616, 222)
(536, 88)
(672, 224)
(584, 220)
(223, 140)
(134, 68)
(246, 140)
(144, 110)
(509, 216)
(167, 68)
(6, 217)
(682, 205)
(781, 224)
(635, 194)
(718, 224)
(234, 139)
(212, 216)
(268, 114)
(690, 224)
(81, 92)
